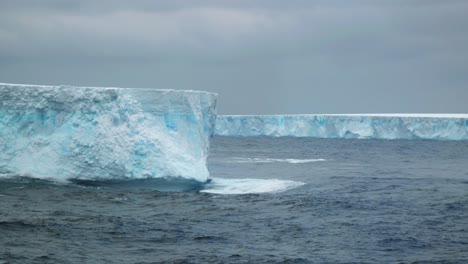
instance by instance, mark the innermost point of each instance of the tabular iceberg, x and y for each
(65, 132)
(379, 126)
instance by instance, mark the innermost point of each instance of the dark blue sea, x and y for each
(270, 200)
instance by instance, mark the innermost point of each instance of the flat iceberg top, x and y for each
(67, 98)
(416, 115)
(104, 88)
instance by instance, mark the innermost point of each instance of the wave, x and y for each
(271, 160)
(167, 184)
(248, 186)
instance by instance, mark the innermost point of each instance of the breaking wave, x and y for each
(246, 186)
(166, 184)
(271, 160)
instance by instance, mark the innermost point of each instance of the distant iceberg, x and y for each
(64, 132)
(378, 126)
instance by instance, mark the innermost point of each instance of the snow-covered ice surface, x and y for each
(378, 126)
(64, 132)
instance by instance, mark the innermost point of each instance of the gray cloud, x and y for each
(261, 56)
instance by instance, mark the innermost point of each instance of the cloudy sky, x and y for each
(270, 56)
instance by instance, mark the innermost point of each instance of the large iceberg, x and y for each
(66, 132)
(379, 126)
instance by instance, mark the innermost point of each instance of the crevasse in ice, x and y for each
(65, 132)
(379, 126)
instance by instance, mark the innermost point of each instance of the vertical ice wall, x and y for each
(67, 132)
(383, 126)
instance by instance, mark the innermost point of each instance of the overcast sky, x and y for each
(262, 57)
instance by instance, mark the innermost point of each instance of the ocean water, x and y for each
(270, 200)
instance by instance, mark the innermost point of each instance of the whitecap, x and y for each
(246, 186)
(271, 160)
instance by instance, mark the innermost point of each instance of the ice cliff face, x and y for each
(396, 126)
(65, 132)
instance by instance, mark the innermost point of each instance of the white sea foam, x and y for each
(271, 160)
(246, 186)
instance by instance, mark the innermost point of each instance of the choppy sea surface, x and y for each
(270, 200)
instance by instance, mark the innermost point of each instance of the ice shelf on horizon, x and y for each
(378, 126)
(64, 132)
